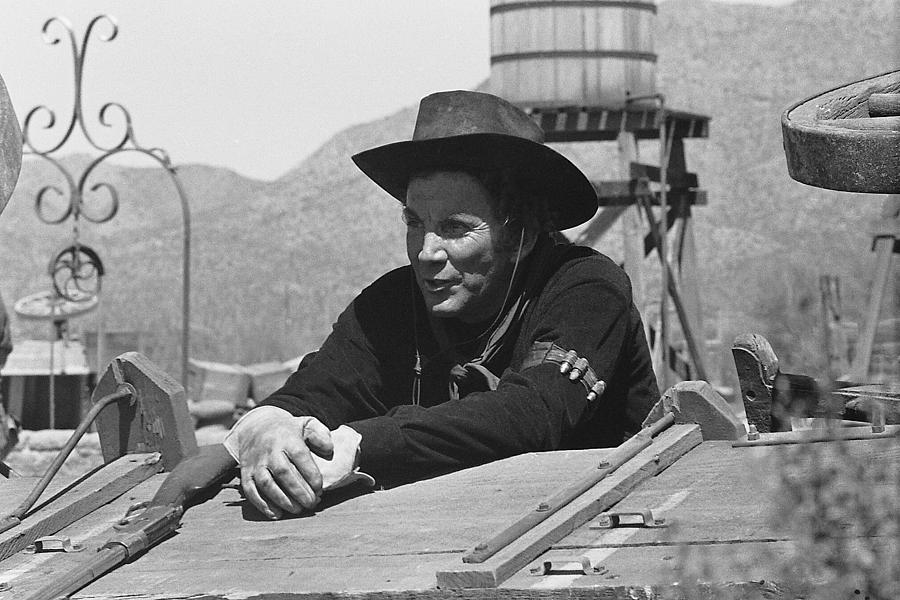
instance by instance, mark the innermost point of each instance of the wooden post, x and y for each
(632, 229)
(884, 251)
(686, 257)
(833, 337)
(156, 420)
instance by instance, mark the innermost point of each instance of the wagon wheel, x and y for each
(848, 138)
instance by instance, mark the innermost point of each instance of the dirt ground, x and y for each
(35, 451)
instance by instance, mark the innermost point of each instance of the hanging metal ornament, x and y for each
(77, 270)
(77, 273)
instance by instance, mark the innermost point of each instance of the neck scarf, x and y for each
(473, 373)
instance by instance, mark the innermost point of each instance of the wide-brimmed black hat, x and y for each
(474, 130)
(10, 147)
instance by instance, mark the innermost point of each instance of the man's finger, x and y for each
(318, 438)
(287, 487)
(309, 471)
(248, 484)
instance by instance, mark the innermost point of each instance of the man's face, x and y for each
(452, 244)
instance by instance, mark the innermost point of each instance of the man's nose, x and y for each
(432, 248)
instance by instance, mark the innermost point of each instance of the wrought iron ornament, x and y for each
(77, 273)
(77, 269)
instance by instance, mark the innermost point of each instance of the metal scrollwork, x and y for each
(77, 115)
(77, 270)
(53, 204)
(77, 273)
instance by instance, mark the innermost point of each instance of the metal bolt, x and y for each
(877, 419)
(752, 434)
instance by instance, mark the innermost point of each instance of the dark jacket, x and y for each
(364, 375)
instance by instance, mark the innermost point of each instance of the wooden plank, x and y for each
(675, 178)
(74, 501)
(884, 251)
(158, 421)
(665, 450)
(808, 436)
(716, 498)
(624, 192)
(633, 259)
(673, 215)
(653, 572)
(24, 574)
(615, 459)
(605, 123)
(404, 535)
(718, 504)
(597, 227)
(716, 494)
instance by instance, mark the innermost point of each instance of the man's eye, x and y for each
(411, 220)
(454, 229)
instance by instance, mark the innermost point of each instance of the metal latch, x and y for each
(562, 566)
(644, 518)
(52, 543)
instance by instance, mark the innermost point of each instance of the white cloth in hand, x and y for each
(343, 468)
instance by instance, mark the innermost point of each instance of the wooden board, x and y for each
(157, 421)
(23, 574)
(388, 545)
(718, 503)
(66, 501)
(380, 541)
(667, 448)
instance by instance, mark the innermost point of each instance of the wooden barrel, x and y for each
(550, 53)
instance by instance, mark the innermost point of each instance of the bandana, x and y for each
(475, 371)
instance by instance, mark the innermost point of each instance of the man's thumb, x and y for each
(318, 438)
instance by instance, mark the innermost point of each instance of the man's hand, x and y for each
(342, 470)
(278, 469)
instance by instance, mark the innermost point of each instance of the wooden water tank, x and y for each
(572, 52)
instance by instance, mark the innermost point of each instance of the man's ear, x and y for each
(526, 238)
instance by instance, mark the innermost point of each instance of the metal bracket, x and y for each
(561, 566)
(53, 543)
(126, 518)
(609, 520)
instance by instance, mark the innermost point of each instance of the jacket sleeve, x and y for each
(345, 380)
(586, 309)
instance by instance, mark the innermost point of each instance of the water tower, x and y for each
(586, 71)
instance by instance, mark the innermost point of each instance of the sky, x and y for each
(254, 87)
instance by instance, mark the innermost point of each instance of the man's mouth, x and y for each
(438, 285)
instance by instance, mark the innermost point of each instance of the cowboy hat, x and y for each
(474, 130)
(10, 147)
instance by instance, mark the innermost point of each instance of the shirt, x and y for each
(384, 372)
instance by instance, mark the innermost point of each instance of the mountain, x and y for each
(273, 263)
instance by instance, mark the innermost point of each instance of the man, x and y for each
(494, 341)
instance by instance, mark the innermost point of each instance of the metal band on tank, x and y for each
(647, 56)
(509, 6)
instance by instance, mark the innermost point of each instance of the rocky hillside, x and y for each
(274, 262)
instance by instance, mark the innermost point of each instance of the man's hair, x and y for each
(513, 201)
